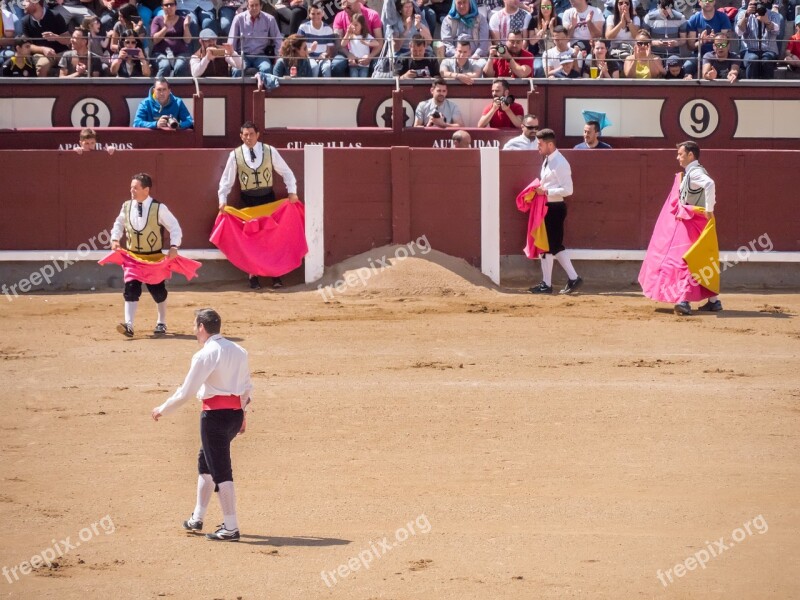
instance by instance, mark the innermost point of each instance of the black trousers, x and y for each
(133, 291)
(249, 201)
(217, 430)
(554, 224)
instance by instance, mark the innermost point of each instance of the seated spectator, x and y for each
(321, 40)
(667, 27)
(621, 28)
(131, 61)
(438, 111)
(559, 61)
(758, 28)
(49, 30)
(465, 22)
(255, 36)
(503, 112)
(412, 25)
(643, 64)
(98, 43)
(461, 66)
(129, 20)
(509, 59)
(289, 15)
(417, 64)
(212, 60)
(171, 39)
(793, 47)
(720, 64)
(540, 34)
(580, 50)
(675, 68)
(702, 26)
(8, 30)
(359, 46)
(487, 7)
(72, 11)
(162, 110)
(583, 21)
(293, 55)
(148, 10)
(21, 64)
(598, 65)
(510, 18)
(591, 137)
(461, 139)
(341, 24)
(87, 142)
(527, 140)
(79, 62)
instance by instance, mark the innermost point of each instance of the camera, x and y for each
(436, 114)
(508, 100)
(172, 122)
(761, 9)
(500, 49)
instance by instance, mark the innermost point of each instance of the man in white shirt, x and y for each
(527, 140)
(583, 21)
(555, 182)
(142, 220)
(220, 378)
(438, 111)
(252, 165)
(510, 18)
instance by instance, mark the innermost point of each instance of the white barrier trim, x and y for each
(490, 213)
(211, 254)
(313, 179)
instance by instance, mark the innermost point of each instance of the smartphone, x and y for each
(133, 52)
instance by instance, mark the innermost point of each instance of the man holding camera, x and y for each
(417, 65)
(212, 60)
(162, 110)
(509, 59)
(758, 29)
(438, 111)
(503, 112)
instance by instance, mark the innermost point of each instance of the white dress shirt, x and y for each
(219, 368)
(698, 178)
(230, 174)
(521, 142)
(556, 177)
(165, 219)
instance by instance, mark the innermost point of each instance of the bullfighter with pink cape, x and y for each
(681, 264)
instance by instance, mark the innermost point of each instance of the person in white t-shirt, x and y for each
(510, 18)
(622, 27)
(583, 21)
(358, 44)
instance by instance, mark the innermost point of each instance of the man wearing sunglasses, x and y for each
(527, 140)
(719, 64)
(702, 27)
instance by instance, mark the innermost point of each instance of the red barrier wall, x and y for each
(381, 195)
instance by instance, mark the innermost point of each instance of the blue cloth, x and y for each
(469, 18)
(269, 81)
(590, 115)
(150, 110)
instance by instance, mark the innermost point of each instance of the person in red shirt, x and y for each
(503, 112)
(509, 60)
(793, 47)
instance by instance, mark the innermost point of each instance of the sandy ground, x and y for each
(504, 445)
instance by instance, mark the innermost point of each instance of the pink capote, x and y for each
(664, 275)
(151, 272)
(268, 246)
(528, 200)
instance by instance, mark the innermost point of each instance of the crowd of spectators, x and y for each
(459, 40)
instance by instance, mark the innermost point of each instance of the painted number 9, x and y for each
(699, 118)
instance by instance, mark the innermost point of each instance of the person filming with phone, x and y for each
(213, 60)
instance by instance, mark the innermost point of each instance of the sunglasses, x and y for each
(721, 45)
(642, 43)
(129, 42)
(531, 127)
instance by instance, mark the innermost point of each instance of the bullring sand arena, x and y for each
(423, 435)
